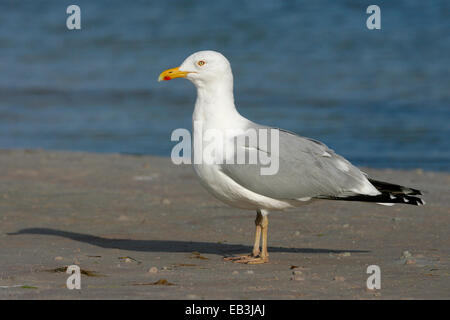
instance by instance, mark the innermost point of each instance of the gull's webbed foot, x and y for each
(257, 260)
(248, 259)
(239, 259)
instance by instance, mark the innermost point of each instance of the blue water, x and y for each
(380, 98)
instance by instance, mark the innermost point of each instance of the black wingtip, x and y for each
(395, 189)
(412, 200)
(384, 198)
(411, 191)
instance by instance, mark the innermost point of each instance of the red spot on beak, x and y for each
(167, 78)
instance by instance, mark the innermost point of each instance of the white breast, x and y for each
(232, 193)
(223, 117)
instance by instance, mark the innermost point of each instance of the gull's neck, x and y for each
(215, 105)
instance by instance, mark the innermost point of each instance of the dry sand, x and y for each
(135, 220)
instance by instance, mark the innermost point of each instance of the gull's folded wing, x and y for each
(306, 169)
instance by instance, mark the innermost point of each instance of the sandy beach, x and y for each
(141, 227)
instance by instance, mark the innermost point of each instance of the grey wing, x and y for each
(306, 168)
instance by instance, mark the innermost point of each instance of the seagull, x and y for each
(307, 170)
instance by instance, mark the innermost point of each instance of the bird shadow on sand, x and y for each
(167, 245)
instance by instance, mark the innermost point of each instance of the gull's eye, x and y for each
(201, 63)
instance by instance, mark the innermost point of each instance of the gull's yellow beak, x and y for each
(172, 74)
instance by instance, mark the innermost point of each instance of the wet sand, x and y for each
(134, 220)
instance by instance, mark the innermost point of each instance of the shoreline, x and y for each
(121, 215)
(30, 150)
